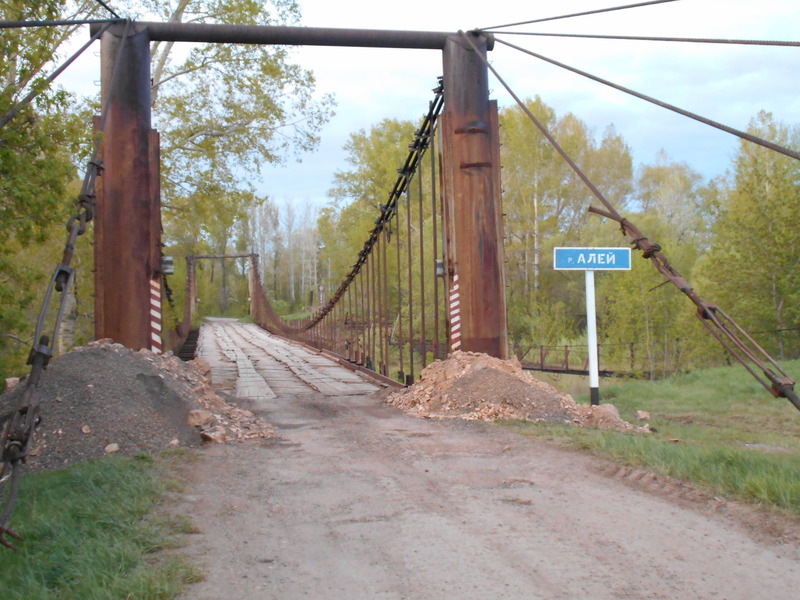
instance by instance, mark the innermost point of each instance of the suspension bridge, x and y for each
(429, 279)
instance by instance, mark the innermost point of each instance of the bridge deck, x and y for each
(248, 362)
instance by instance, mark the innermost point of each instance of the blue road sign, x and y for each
(592, 259)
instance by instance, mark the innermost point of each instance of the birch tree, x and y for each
(546, 206)
(753, 265)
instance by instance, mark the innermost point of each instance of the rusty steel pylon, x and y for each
(127, 230)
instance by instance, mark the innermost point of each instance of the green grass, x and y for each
(93, 531)
(717, 428)
(303, 314)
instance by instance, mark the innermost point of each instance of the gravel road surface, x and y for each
(357, 500)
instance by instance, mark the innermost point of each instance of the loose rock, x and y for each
(200, 418)
(216, 434)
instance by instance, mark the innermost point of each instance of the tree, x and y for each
(546, 206)
(225, 110)
(673, 191)
(38, 149)
(753, 264)
(228, 109)
(266, 241)
(358, 193)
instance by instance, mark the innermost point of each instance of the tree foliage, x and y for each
(38, 151)
(225, 110)
(37, 146)
(374, 157)
(546, 206)
(753, 264)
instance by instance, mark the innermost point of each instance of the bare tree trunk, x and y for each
(160, 53)
(303, 268)
(778, 303)
(648, 334)
(223, 301)
(66, 337)
(289, 218)
(537, 247)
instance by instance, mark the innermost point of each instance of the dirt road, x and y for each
(357, 500)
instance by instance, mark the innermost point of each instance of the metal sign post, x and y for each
(591, 260)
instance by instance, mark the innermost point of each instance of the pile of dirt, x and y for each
(104, 398)
(476, 386)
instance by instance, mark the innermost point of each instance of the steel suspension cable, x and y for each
(722, 326)
(409, 243)
(434, 219)
(386, 322)
(58, 23)
(580, 14)
(371, 297)
(423, 349)
(784, 43)
(365, 303)
(362, 324)
(376, 319)
(364, 274)
(737, 132)
(399, 302)
(338, 332)
(375, 326)
(348, 322)
(50, 78)
(379, 305)
(17, 438)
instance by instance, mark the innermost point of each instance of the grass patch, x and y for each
(717, 428)
(92, 533)
(303, 314)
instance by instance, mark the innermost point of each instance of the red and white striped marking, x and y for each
(155, 316)
(455, 316)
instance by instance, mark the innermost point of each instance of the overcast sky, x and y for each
(729, 84)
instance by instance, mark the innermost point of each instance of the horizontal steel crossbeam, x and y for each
(292, 36)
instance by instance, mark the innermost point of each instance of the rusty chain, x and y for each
(18, 434)
(19, 431)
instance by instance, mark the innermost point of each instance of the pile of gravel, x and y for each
(475, 386)
(105, 398)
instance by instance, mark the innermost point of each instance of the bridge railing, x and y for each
(390, 313)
